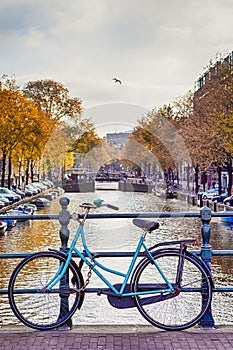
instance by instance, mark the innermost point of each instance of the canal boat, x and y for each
(158, 192)
(171, 194)
(79, 180)
(21, 211)
(138, 185)
(3, 227)
(108, 177)
(226, 219)
(77, 186)
(10, 222)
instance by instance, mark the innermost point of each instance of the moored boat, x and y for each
(76, 186)
(171, 194)
(108, 176)
(226, 219)
(135, 185)
(158, 192)
(228, 216)
(10, 222)
(79, 180)
(3, 227)
(21, 211)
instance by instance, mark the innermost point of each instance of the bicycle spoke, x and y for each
(32, 302)
(181, 308)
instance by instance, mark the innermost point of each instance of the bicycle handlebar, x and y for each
(112, 206)
(98, 203)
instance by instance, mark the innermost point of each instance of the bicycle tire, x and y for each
(185, 307)
(35, 307)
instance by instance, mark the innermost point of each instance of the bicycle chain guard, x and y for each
(121, 302)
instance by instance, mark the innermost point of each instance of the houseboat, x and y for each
(78, 180)
(136, 185)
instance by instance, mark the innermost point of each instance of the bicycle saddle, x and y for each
(147, 225)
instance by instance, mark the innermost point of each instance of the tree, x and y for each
(213, 107)
(53, 157)
(53, 98)
(78, 133)
(158, 132)
(19, 120)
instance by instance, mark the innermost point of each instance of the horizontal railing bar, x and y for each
(223, 289)
(15, 255)
(30, 217)
(156, 215)
(222, 252)
(121, 215)
(116, 254)
(96, 290)
(222, 214)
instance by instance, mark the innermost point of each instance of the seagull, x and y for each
(117, 80)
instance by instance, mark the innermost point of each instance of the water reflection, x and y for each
(118, 235)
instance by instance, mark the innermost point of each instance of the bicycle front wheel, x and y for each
(32, 303)
(183, 307)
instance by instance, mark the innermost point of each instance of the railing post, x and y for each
(207, 320)
(200, 201)
(215, 206)
(64, 219)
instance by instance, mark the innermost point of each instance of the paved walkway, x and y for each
(116, 338)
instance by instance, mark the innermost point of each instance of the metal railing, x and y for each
(205, 214)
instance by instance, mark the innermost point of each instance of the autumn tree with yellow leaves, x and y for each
(74, 134)
(35, 121)
(22, 127)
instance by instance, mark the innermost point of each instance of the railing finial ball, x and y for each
(64, 201)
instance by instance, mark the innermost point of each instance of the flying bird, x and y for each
(117, 80)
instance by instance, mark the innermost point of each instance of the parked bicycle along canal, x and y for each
(118, 235)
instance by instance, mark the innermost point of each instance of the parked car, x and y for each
(27, 192)
(32, 185)
(4, 200)
(41, 186)
(17, 196)
(13, 197)
(32, 189)
(47, 183)
(228, 201)
(220, 198)
(209, 194)
(18, 191)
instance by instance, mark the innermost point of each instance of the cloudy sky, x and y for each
(158, 48)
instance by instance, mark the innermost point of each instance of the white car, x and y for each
(209, 194)
(4, 199)
(11, 196)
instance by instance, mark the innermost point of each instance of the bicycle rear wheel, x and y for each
(189, 302)
(32, 304)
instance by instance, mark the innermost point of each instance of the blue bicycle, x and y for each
(170, 286)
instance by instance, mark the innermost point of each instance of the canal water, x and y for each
(118, 235)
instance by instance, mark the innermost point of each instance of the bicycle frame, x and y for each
(93, 263)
